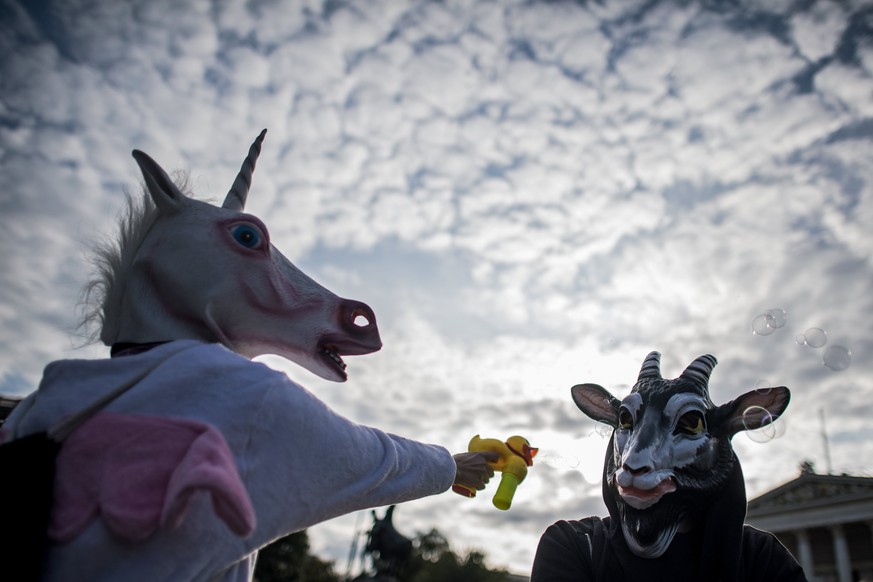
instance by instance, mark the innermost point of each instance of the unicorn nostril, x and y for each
(358, 321)
(359, 318)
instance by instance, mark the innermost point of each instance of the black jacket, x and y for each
(720, 549)
(590, 549)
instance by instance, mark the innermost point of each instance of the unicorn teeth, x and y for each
(335, 357)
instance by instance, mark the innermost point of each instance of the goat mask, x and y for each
(670, 460)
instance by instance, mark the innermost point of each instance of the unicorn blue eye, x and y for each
(246, 235)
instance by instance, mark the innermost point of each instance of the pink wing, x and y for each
(139, 473)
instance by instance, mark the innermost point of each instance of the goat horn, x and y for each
(651, 366)
(700, 369)
(236, 198)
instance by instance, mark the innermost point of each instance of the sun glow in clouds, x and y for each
(528, 195)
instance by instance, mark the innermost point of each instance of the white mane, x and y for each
(111, 261)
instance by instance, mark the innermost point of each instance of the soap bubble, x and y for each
(764, 324)
(603, 430)
(558, 460)
(547, 458)
(763, 386)
(815, 337)
(753, 418)
(780, 316)
(800, 339)
(837, 358)
(762, 435)
(772, 431)
(768, 322)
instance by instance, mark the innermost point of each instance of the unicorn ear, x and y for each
(166, 195)
(595, 401)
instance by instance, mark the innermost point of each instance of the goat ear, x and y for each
(750, 411)
(166, 195)
(595, 401)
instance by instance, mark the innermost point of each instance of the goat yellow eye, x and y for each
(625, 420)
(691, 423)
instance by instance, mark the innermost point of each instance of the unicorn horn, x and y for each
(236, 198)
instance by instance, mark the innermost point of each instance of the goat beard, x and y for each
(649, 532)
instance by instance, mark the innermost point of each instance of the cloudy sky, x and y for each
(529, 194)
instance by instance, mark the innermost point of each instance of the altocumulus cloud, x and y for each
(529, 194)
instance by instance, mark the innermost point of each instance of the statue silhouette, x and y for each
(386, 547)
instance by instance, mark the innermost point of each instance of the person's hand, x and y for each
(473, 470)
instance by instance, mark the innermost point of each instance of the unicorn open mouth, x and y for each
(645, 498)
(331, 356)
(331, 349)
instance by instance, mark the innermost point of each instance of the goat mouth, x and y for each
(645, 498)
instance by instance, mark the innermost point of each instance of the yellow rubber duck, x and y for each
(516, 455)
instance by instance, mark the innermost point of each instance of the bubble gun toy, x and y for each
(516, 455)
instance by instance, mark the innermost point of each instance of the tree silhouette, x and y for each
(288, 560)
(433, 560)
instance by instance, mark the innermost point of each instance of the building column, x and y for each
(841, 553)
(870, 525)
(805, 551)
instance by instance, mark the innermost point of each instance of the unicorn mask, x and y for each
(670, 456)
(186, 269)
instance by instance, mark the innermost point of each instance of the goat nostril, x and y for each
(636, 471)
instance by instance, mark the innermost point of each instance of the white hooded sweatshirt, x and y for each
(295, 462)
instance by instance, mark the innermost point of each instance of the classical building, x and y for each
(826, 521)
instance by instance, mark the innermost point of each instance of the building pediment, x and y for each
(811, 490)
